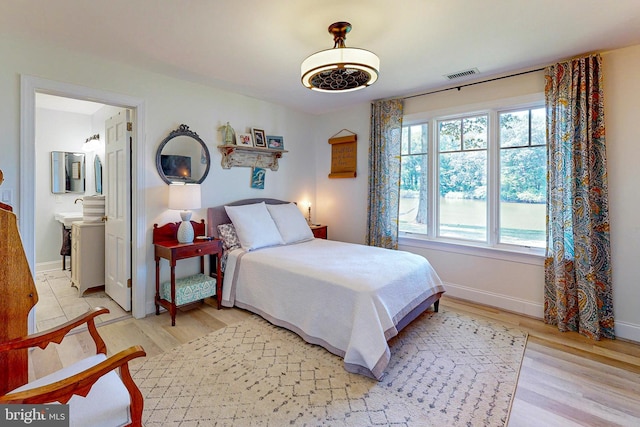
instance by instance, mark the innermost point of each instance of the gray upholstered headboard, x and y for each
(218, 215)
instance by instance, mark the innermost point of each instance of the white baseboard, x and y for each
(505, 302)
(628, 331)
(51, 265)
(624, 330)
(151, 308)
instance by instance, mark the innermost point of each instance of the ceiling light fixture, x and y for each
(341, 69)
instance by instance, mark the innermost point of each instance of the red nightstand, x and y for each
(167, 247)
(319, 231)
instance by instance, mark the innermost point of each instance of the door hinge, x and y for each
(128, 282)
(129, 126)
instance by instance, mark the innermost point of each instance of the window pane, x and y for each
(523, 192)
(404, 145)
(463, 190)
(538, 127)
(414, 194)
(475, 132)
(514, 129)
(419, 139)
(449, 137)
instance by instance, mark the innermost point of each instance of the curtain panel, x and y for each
(384, 173)
(578, 289)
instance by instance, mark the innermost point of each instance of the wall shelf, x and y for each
(238, 155)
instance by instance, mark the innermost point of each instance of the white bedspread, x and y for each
(346, 297)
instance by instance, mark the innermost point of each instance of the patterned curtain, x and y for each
(384, 173)
(578, 291)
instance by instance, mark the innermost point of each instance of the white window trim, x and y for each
(523, 255)
(490, 249)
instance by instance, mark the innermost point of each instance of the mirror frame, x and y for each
(82, 170)
(183, 130)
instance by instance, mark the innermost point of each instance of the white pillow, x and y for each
(290, 222)
(254, 226)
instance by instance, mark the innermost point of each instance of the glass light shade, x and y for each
(345, 58)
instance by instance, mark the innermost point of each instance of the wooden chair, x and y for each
(96, 394)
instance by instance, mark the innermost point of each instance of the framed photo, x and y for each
(275, 142)
(259, 139)
(245, 139)
(257, 178)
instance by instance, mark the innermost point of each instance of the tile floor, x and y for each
(58, 301)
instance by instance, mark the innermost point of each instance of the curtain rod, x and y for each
(472, 84)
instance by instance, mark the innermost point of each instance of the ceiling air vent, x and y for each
(461, 74)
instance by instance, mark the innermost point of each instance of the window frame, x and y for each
(492, 248)
(435, 228)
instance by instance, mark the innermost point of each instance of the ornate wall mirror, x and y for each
(67, 172)
(183, 157)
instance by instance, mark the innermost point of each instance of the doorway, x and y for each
(71, 136)
(29, 87)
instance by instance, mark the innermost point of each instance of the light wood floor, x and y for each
(565, 380)
(58, 300)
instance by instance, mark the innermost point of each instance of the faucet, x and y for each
(77, 200)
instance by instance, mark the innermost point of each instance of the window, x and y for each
(462, 178)
(414, 180)
(523, 177)
(477, 178)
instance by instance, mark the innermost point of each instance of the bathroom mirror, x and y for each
(183, 157)
(67, 172)
(97, 170)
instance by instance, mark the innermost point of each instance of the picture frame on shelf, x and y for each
(257, 178)
(245, 140)
(259, 139)
(275, 142)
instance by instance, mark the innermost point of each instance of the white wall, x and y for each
(169, 102)
(341, 203)
(514, 284)
(621, 94)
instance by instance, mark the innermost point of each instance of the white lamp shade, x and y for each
(184, 196)
(340, 58)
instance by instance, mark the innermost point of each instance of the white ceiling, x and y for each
(255, 47)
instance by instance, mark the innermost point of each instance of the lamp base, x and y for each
(185, 230)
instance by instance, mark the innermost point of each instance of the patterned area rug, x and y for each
(446, 369)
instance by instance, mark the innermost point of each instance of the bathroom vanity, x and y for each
(87, 255)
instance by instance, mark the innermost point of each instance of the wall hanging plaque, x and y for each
(343, 154)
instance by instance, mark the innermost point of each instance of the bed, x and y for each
(348, 298)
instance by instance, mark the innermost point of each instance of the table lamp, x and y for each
(183, 197)
(308, 204)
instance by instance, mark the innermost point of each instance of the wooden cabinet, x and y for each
(319, 231)
(87, 255)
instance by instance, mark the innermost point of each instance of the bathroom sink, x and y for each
(67, 218)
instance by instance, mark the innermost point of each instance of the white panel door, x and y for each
(118, 209)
